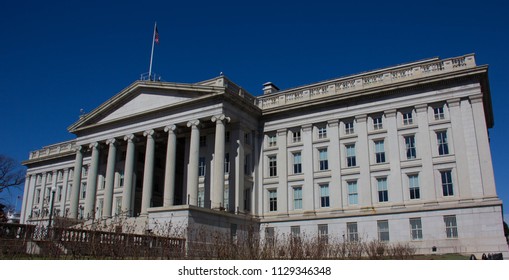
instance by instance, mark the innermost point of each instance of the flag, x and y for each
(156, 36)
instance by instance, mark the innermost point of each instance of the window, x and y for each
(447, 187)
(451, 228)
(60, 176)
(383, 192)
(297, 198)
(322, 132)
(407, 118)
(297, 163)
(353, 196)
(84, 171)
(323, 234)
(59, 193)
(121, 179)
(203, 141)
(443, 147)
(377, 123)
(273, 200)
(351, 230)
(201, 198)
(383, 230)
(269, 236)
(324, 195)
(100, 206)
(416, 228)
(324, 162)
(68, 192)
(38, 196)
(380, 151)
(350, 155)
(201, 167)
(83, 190)
(295, 231)
(272, 166)
(413, 184)
(226, 198)
(349, 128)
(226, 163)
(438, 112)
(247, 164)
(247, 200)
(410, 147)
(272, 140)
(118, 205)
(296, 136)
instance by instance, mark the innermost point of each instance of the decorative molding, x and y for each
(194, 123)
(148, 133)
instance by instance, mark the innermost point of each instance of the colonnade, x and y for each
(217, 187)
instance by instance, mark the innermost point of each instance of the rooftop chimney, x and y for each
(269, 87)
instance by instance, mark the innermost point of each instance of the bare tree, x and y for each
(11, 173)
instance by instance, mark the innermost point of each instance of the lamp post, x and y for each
(51, 202)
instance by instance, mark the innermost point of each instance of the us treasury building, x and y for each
(399, 154)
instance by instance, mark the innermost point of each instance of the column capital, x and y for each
(111, 141)
(282, 131)
(94, 145)
(307, 127)
(78, 148)
(361, 118)
(170, 128)
(421, 108)
(390, 113)
(130, 138)
(148, 133)
(476, 98)
(193, 123)
(220, 117)
(455, 102)
(333, 123)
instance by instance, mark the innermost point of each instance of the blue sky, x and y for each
(57, 57)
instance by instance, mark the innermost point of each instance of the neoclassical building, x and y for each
(399, 154)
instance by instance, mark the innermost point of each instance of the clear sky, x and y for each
(57, 57)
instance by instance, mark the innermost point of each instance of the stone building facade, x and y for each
(399, 154)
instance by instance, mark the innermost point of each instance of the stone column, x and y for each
(76, 184)
(364, 191)
(462, 188)
(26, 194)
(110, 177)
(43, 192)
(395, 188)
(282, 171)
(148, 172)
(218, 183)
(336, 198)
(54, 177)
(237, 169)
(169, 172)
(425, 153)
(308, 193)
(483, 146)
(127, 194)
(192, 168)
(92, 182)
(64, 191)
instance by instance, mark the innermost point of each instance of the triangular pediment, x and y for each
(141, 98)
(145, 102)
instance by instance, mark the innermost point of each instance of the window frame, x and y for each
(447, 182)
(297, 198)
(324, 195)
(382, 227)
(351, 160)
(415, 228)
(414, 190)
(379, 153)
(442, 142)
(323, 159)
(383, 189)
(352, 232)
(297, 162)
(353, 192)
(411, 152)
(451, 226)
(272, 200)
(272, 164)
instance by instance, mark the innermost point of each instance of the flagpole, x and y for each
(152, 53)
